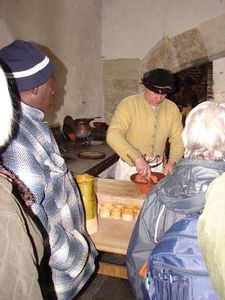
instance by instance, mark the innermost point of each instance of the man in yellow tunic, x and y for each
(141, 126)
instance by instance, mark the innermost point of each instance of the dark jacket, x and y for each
(174, 197)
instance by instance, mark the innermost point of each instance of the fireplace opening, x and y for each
(193, 86)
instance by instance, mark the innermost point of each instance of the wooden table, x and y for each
(77, 165)
(113, 235)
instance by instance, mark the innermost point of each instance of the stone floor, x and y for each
(103, 287)
(107, 288)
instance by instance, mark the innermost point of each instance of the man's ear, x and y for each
(35, 90)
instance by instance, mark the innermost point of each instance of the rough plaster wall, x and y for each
(189, 48)
(132, 27)
(219, 79)
(180, 52)
(70, 31)
(121, 79)
(197, 36)
(213, 36)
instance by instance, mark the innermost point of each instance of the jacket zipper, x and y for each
(158, 264)
(157, 223)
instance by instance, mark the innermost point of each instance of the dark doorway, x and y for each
(193, 85)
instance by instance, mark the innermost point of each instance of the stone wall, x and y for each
(70, 31)
(191, 48)
(120, 79)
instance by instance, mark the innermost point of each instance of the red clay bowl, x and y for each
(145, 185)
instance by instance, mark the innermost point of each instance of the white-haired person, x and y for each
(21, 242)
(182, 191)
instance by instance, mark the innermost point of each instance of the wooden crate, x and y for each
(114, 235)
(117, 191)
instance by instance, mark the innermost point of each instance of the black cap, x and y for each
(159, 81)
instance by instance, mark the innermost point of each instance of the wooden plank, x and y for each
(113, 235)
(117, 188)
(112, 270)
(117, 191)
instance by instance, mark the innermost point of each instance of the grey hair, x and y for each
(204, 131)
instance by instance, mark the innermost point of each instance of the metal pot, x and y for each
(68, 130)
(82, 127)
(100, 125)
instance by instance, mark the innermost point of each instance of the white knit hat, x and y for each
(6, 111)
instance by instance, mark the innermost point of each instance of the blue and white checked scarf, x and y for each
(34, 156)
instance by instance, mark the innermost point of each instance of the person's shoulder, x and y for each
(7, 200)
(5, 184)
(19, 144)
(169, 104)
(214, 191)
(217, 182)
(131, 100)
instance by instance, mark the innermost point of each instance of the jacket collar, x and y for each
(184, 190)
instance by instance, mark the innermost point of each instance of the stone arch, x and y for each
(190, 48)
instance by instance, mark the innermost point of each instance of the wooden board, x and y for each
(114, 235)
(118, 191)
(91, 154)
(112, 270)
